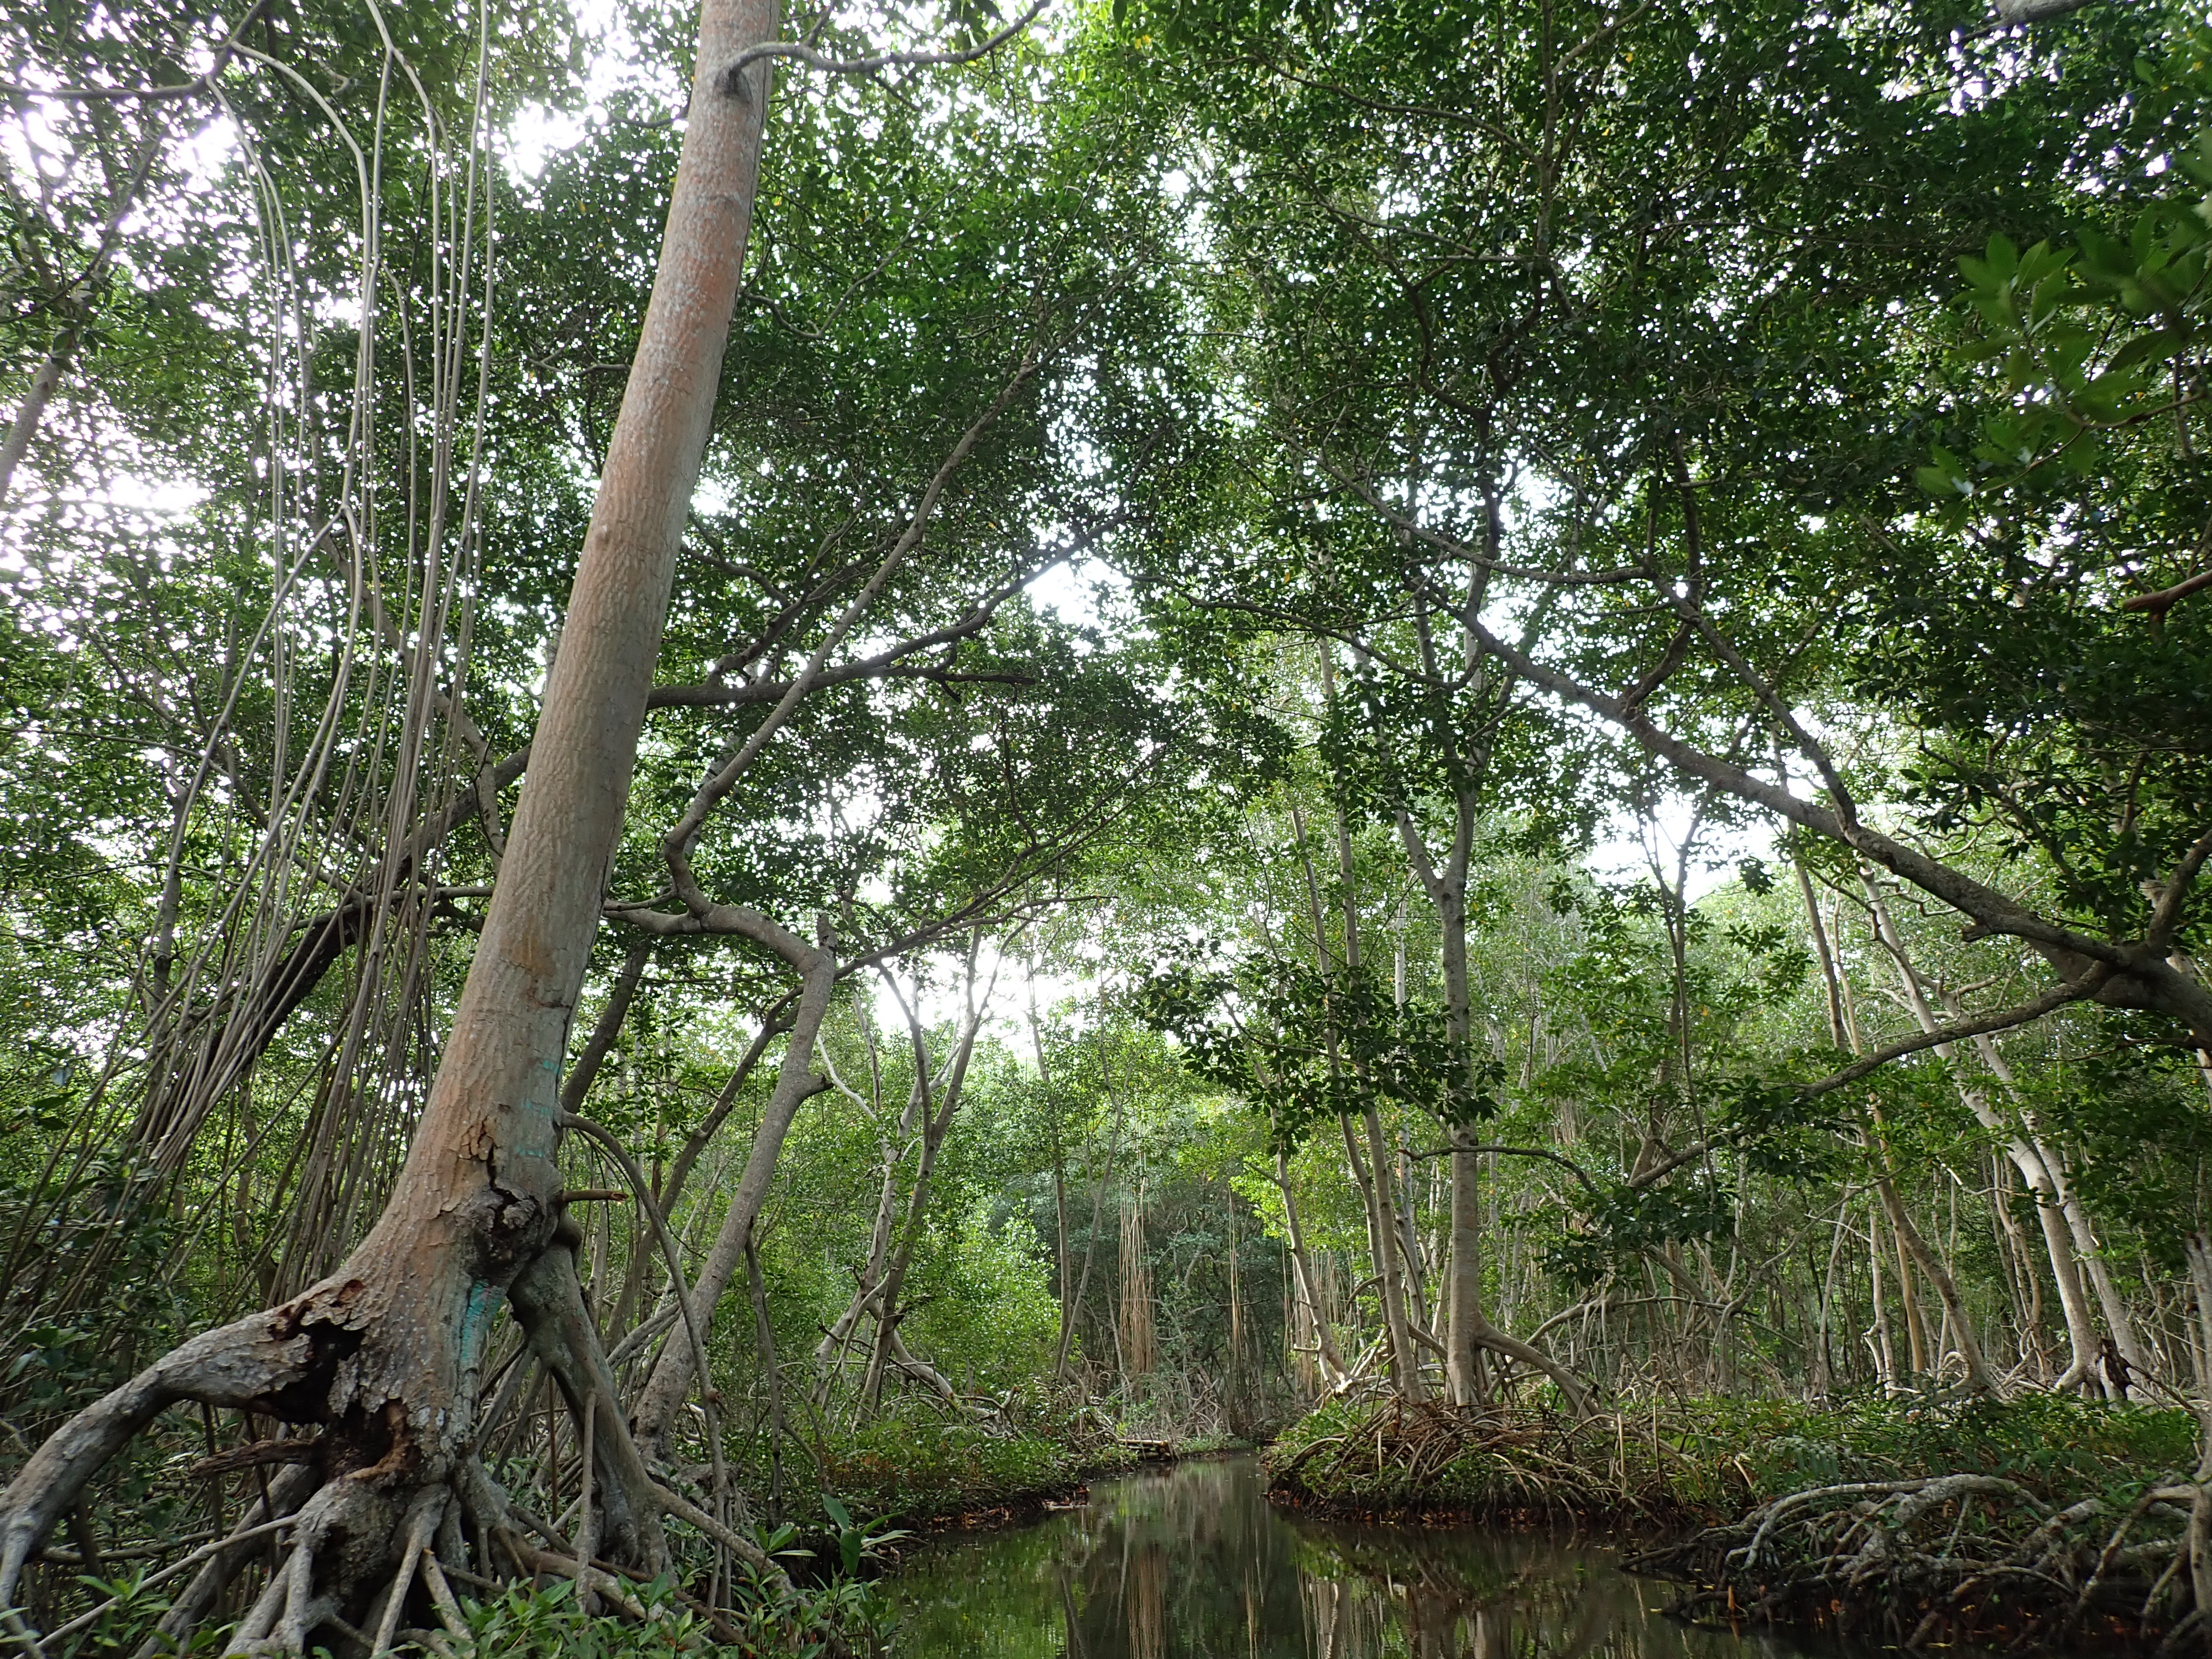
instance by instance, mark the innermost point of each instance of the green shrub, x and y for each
(917, 1464)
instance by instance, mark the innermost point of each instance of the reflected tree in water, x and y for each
(1195, 1564)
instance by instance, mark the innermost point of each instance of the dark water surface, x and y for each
(1193, 1563)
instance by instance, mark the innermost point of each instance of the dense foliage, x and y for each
(1503, 709)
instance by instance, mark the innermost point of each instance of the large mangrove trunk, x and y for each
(386, 1354)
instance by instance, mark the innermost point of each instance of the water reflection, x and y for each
(1194, 1563)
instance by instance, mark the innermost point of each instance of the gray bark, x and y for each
(818, 966)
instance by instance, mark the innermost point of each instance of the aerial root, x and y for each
(223, 1561)
(355, 1548)
(1521, 1458)
(219, 1563)
(744, 1548)
(1578, 1392)
(424, 1518)
(351, 1544)
(242, 1364)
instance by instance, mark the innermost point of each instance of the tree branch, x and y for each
(1981, 1025)
(1566, 1163)
(183, 89)
(2157, 603)
(813, 59)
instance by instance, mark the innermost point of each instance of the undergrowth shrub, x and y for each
(917, 1464)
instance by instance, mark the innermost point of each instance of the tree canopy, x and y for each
(1497, 702)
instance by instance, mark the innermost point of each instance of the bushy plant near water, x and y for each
(527, 1623)
(916, 1464)
(2031, 1523)
(1711, 1458)
(919, 1461)
(2052, 1444)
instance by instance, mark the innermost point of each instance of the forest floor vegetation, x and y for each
(918, 1469)
(2039, 1521)
(839, 1615)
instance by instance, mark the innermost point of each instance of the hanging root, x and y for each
(1955, 1559)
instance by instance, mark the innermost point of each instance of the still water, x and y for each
(1193, 1563)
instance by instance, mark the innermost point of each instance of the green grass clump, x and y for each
(916, 1463)
(923, 1468)
(842, 1617)
(2052, 1444)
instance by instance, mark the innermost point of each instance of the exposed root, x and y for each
(422, 1521)
(1509, 1459)
(1578, 1392)
(747, 1552)
(1954, 1558)
(373, 1516)
(359, 1565)
(249, 1364)
(244, 1535)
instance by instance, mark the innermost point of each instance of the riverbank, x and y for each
(2038, 1519)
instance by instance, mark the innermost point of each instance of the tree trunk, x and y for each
(1823, 1380)
(1946, 1289)
(1908, 1296)
(2028, 1156)
(1390, 1259)
(1885, 1348)
(26, 423)
(1405, 1363)
(2117, 1319)
(1098, 1213)
(794, 1083)
(2021, 1278)
(1332, 1362)
(388, 1352)
(895, 1142)
(1468, 1329)
(1382, 1235)
(1061, 1283)
(2197, 1248)
(934, 1124)
(1463, 1318)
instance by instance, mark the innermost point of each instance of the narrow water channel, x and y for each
(1193, 1563)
